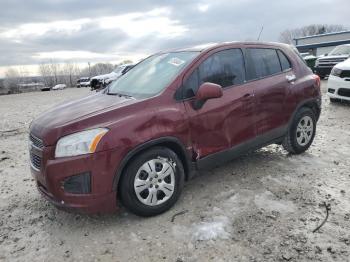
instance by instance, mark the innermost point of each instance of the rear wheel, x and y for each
(301, 132)
(152, 182)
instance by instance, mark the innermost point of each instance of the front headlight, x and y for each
(336, 71)
(80, 143)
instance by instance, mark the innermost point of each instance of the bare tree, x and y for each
(98, 69)
(55, 69)
(288, 36)
(12, 80)
(46, 74)
(70, 73)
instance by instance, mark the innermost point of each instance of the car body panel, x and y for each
(339, 86)
(228, 123)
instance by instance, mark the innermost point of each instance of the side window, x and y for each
(225, 68)
(191, 85)
(284, 61)
(263, 62)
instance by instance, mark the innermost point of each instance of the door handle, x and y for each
(248, 95)
(291, 78)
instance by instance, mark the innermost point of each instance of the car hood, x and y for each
(106, 76)
(344, 65)
(76, 116)
(333, 57)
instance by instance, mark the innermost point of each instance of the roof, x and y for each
(312, 36)
(325, 44)
(210, 46)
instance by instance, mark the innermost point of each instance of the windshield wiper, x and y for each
(119, 94)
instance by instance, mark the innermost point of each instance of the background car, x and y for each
(324, 64)
(83, 82)
(59, 87)
(339, 82)
(101, 81)
(45, 88)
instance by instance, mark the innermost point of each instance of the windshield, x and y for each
(341, 50)
(152, 75)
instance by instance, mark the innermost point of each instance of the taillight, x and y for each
(317, 80)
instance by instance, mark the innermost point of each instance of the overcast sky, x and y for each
(33, 31)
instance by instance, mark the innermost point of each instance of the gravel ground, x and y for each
(260, 207)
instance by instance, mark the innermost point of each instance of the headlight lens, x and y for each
(336, 71)
(80, 143)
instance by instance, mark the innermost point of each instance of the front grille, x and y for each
(329, 62)
(331, 90)
(35, 160)
(36, 141)
(345, 73)
(344, 92)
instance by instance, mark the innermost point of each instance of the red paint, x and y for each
(209, 90)
(240, 114)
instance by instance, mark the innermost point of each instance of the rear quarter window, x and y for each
(285, 63)
(263, 62)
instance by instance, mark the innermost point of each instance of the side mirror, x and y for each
(206, 91)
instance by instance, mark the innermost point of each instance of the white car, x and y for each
(59, 87)
(83, 82)
(99, 81)
(339, 82)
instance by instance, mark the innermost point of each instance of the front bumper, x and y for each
(338, 88)
(53, 172)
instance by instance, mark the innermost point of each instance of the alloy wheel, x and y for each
(304, 130)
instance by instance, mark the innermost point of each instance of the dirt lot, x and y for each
(260, 207)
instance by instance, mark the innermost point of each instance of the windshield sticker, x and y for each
(176, 61)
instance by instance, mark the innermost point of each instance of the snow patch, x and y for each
(219, 228)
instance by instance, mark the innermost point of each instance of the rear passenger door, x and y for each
(268, 72)
(226, 121)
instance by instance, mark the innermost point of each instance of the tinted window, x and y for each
(191, 85)
(263, 62)
(225, 68)
(284, 61)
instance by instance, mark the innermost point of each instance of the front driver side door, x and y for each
(224, 122)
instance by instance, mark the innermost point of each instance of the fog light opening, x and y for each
(78, 184)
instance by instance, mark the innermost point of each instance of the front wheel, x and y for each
(152, 182)
(301, 132)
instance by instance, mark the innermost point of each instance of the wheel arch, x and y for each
(314, 104)
(172, 143)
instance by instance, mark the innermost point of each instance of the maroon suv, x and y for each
(172, 114)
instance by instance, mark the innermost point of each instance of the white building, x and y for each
(321, 44)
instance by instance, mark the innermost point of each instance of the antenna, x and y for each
(262, 28)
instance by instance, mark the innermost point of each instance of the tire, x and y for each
(158, 190)
(301, 132)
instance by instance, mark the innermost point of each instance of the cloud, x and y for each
(81, 31)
